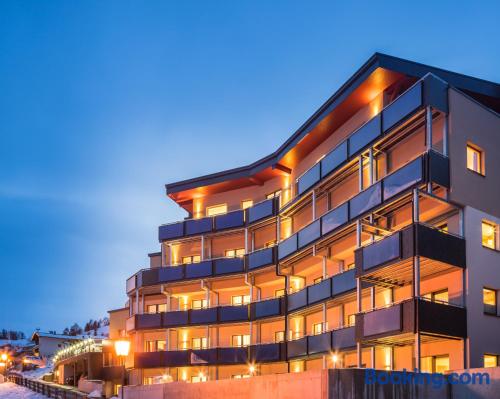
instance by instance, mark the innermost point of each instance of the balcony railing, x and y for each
(410, 316)
(335, 340)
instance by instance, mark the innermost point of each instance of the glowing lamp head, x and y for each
(335, 358)
(251, 369)
(3, 357)
(122, 348)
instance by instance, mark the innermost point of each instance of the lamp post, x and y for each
(122, 348)
(4, 359)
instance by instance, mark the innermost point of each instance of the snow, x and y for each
(9, 390)
(37, 373)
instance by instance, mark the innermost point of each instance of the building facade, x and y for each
(368, 239)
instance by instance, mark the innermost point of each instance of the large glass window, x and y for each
(279, 336)
(317, 328)
(489, 234)
(157, 308)
(437, 296)
(435, 364)
(240, 340)
(246, 204)
(490, 301)
(199, 304)
(191, 259)
(238, 300)
(475, 159)
(233, 253)
(217, 210)
(199, 343)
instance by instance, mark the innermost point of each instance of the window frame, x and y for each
(496, 228)
(246, 201)
(480, 152)
(209, 210)
(488, 308)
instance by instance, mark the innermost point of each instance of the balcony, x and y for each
(297, 348)
(267, 353)
(233, 313)
(365, 135)
(198, 270)
(320, 343)
(335, 218)
(334, 159)
(309, 234)
(262, 210)
(175, 319)
(198, 226)
(309, 179)
(268, 308)
(230, 220)
(261, 258)
(287, 247)
(319, 292)
(203, 316)
(232, 355)
(414, 240)
(411, 316)
(403, 107)
(335, 340)
(224, 266)
(297, 300)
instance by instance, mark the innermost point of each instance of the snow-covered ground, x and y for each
(9, 390)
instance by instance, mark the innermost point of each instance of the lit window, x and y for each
(489, 301)
(441, 364)
(162, 307)
(217, 210)
(199, 304)
(270, 244)
(285, 228)
(191, 259)
(350, 266)
(426, 364)
(240, 376)
(475, 159)
(199, 343)
(279, 293)
(489, 235)
(156, 308)
(317, 280)
(240, 340)
(246, 204)
(437, 296)
(279, 336)
(233, 253)
(161, 345)
(317, 328)
(351, 320)
(274, 194)
(199, 378)
(238, 300)
(490, 360)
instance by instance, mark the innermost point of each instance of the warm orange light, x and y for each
(174, 254)
(2, 364)
(4, 357)
(122, 348)
(286, 228)
(251, 369)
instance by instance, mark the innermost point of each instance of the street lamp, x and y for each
(4, 358)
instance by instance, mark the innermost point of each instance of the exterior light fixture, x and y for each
(3, 357)
(335, 359)
(251, 369)
(122, 348)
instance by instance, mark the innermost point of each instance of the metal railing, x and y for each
(48, 389)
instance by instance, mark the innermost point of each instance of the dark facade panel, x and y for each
(149, 359)
(319, 292)
(381, 252)
(403, 178)
(147, 277)
(260, 211)
(297, 300)
(198, 226)
(309, 234)
(170, 273)
(344, 282)
(229, 265)
(370, 131)
(436, 93)
(173, 319)
(438, 318)
(203, 356)
(405, 105)
(334, 159)
(309, 179)
(439, 169)
(335, 218)
(365, 200)
(148, 321)
(176, 358)
(233, 313)
(287, 247)
(297, 348)
(230, 220)
(320, 343)
(437, 245)
(261, 258)
(203, 316)
(267, 353)
(169, 231)
(382, 321)
(344, 338)
(198, 270)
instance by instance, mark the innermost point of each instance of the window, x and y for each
(317, 280)
(435, 364)
(489, 233)
(233, 253)
(270, 244)
(199, 304)
(154, 346)
(279, 293)
(475, 159)
(279, 336)
(240, 376)
(274, 194)
(240, 340)
(157, 308)
(199, 378)
(238, 300)
(490, 301)
(161, 345)
(490, 360)
(437, 296)
(351, 320)
(317, 328)
(443, 227)
(199, 343)
(350, 266)
(191, 259)
(246, 204)
(217, 210)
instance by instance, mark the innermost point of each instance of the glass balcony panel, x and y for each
(344, 338)
(198, 226)
(232, 355)
(261, 258)
(229, 265)
(131, 283)
(260, 211)
(297, 348)
(297, 300)
(287, 247)
(169, 231)
(334, 219)
(176, 358)
(170, 273)
(147, 277)
(382, 321)
(382, 251)
(148, 321)
(268, 308)
(366, 200)
(365, 135)
(320, 343)
(334, 159)
(404, 105)
(319, 292)
(203, 316)
(233, 313)
(344, 282)
(230, 220)
(197, 270)
(176, 318)
(403, 178)
(203, 356)
(309, 234)
(309, 179)
(266, 353)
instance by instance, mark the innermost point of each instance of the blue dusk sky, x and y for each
(103, 102)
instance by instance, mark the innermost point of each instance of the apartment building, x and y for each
(370, 238)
